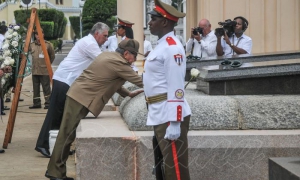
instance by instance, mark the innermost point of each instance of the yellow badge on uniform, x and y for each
(179, 93)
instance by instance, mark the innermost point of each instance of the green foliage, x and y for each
(56, 43)
(60, 22)
(111, 22)
(97, 11)
(63, 28)
(48, 27)
(21, 17)
(53, 15)
(75, 23)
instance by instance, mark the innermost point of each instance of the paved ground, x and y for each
(21, 161)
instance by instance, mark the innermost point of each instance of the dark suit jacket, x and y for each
(105, 76)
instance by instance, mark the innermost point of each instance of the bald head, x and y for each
(205, 25)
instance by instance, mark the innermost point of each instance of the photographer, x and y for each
(203, 40)
(238, 43)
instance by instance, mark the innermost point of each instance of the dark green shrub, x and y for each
(53, 15)
(48, 27)
(63, 28)
(60, 16)
(97, 11)
(75, 24)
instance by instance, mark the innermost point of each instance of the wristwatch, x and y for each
(231, 45)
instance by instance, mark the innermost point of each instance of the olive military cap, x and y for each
(130, 45)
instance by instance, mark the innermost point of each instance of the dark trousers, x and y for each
(171, 149)
(73, 113)
(44, 80)
(54, 114)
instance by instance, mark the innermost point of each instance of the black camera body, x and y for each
(227, 26)
(197, 29)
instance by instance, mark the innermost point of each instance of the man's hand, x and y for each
(173, 130)
(1, 72)
(226, 38)
(192, 35)
(134, 93)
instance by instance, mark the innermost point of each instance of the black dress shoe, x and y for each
(2, 151)
(3, 113)
(43, 151)
(21, 99)
(54, 178)
(6, 108)
(46, 107)
(35, 107)
(7, 100)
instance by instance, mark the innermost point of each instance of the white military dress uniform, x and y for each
(165, 69)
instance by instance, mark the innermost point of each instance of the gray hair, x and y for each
(121, 51)
(99, 27)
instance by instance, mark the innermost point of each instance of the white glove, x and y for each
(173, 130)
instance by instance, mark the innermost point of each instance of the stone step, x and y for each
(284, 168)
(104, 144)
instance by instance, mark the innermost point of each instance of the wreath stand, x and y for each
(34, 20)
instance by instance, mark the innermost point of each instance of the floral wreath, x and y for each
(9, 56)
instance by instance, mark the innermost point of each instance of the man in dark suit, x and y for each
(89, 93)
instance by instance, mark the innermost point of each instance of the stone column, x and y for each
(133, 11)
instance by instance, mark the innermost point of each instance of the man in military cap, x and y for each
(89, 93)
(40, 74)
(169, 112)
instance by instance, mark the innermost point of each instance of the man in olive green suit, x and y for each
(90, 92)
(40, 75)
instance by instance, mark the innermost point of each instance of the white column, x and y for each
(132, 10)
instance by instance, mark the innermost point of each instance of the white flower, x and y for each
(5, 46)
(8, 36)
(16, 27)
(1, 58)
(15, 34)
(2, 65)
(6, 61)
(16, 38)
(14, 44)
(10, 31)
(7, 53)
(12, 61)
(195, 72)
(3, 81)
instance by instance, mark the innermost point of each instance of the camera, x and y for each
(197, 29)
(227, 26)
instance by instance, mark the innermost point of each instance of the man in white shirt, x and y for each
(202, 44)
(238, 43)
(111, 44)
(78, 59)
(147, 49)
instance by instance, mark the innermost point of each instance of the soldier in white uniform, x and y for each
(169, 112)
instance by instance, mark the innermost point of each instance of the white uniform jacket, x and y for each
(165, 69)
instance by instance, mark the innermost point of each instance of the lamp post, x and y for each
(39, 4)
